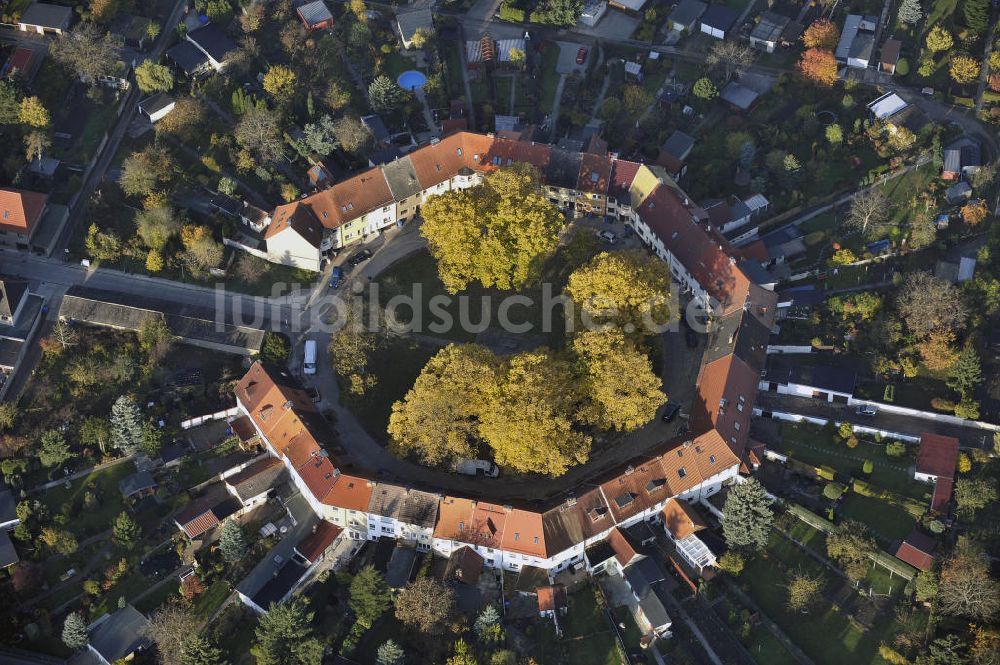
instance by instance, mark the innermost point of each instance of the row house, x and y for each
(406, 514)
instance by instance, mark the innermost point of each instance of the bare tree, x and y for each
(88, 52)
(966, 588)
(64, 334)
(928, 303)
(869, 211)
(735, 58)
(258, 132)
(171, 628)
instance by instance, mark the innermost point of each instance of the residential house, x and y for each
(962, 158)
(767, 33)
(295, 237)
(889, 57)
(829, 383)
(718, 20)
(936, 460)
(253, 485)
(684, 17)
(212, 40)
(156, 107)
(45, 19)
(682, 523)
(406, 514)
(320, 543)
(254, 217)
(8, 522)
(21, 214)
(119, 636)
(917, 550)
(593, 11)
(409, 22)
(137, 485)
(188, 58)
(315, 15)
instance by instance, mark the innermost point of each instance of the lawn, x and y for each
(826, 635)
(550, 78)
(941, 10)
(87, 522)
(397, 367)
(211, 599)
(153, 600)
(812, 445)
(890, 523)
(766, 649)
(587, 637)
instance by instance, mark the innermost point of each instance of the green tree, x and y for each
(147, 170)
(972, 494)
(621, 389)
(747, 516)
(95, 431)
(463, 654)
(731, 562)
(351, 134)
(369, 596)
(497, 233)
(976, 14)
(320, 137)
(32, 112)
(966, 373)
(125, 531)
(198, 650)
(868, 467)
(59, 541)
(74, 634)
(259, 132)
(351, 350)
(54, 449)
(233, 542)
(126, 424)
(8, 415)
(87, 52)
(925, 585)
(963, 68)
(487, 626)
(910, 12)
(155, 227)
(438, 419)
(10, 104)
(284, 636)
(390, 653)
(171, 628)
(384, 95)
(151, 77)
(275, 348)
(628, 289)
(705, 89)
(852, 547)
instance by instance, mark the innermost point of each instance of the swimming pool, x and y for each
(411, 80)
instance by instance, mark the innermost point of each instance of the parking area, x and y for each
(568, 52)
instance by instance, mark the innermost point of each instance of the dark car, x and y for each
(336, 276)
(670, 412)
(691, 338)
(360, 256)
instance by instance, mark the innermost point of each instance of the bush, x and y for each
(513, 14)
(942, 404)
(833, 491)
(732, 563)
(826, 472)
(903, 67)
(846, 430)
(887, 653)
(852, 442)
(868, 467)
(935, 526)
(895, 449)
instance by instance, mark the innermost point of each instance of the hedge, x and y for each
(811, 518)
(513, 14)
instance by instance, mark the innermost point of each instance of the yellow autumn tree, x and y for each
(438, 419)
(939, 39)
(621, 390)
(628, 289)
(974, 212)
(964, 69)
(33, 113)
(497, 233)
(938, 350)
(280, 83)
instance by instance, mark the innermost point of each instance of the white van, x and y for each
(309, 358)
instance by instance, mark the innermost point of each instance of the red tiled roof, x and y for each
(551, 597)
(725, 381)
(621, 546)
(524, 533)
(938, 455)
(350, 492)
(681, 519)
(917, 550)
(464, 565)
(243, 428)
(755, 251)
(196, 518)
(21, 58)
(942, 494)
(312, 546)
(20, 210)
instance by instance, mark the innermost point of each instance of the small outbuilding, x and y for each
(718, 20)
(137, 485)
(685, 15)
(156, 107)
(45, 19)
(409, 23)
(315, 15)
(889, 57)
(917, 550)
(767, 33)
(739, 97)
(119, 636)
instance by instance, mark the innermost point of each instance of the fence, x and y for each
(201, 420)
(236, 244)
(927, 415)
(789, 348)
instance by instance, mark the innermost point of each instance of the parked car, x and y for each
(607, 236)
(581, 55)
(360, 256)
(336, 276)
(670, 412)
(691, 338)
(867, 410)
(474, 467)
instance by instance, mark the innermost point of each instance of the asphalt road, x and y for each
(968, 436)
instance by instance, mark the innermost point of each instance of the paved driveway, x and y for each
(567, 57)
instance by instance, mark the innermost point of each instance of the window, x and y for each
(711, 459)
(682, 472)
(536, 540)
(458, 151)
(739, 407)
(517, 536)
(461, 526)
(736, 426)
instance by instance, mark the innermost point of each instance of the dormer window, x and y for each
(624, 500)
(458, 151)
(682, 472)
(461, 526)
(711, 459)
